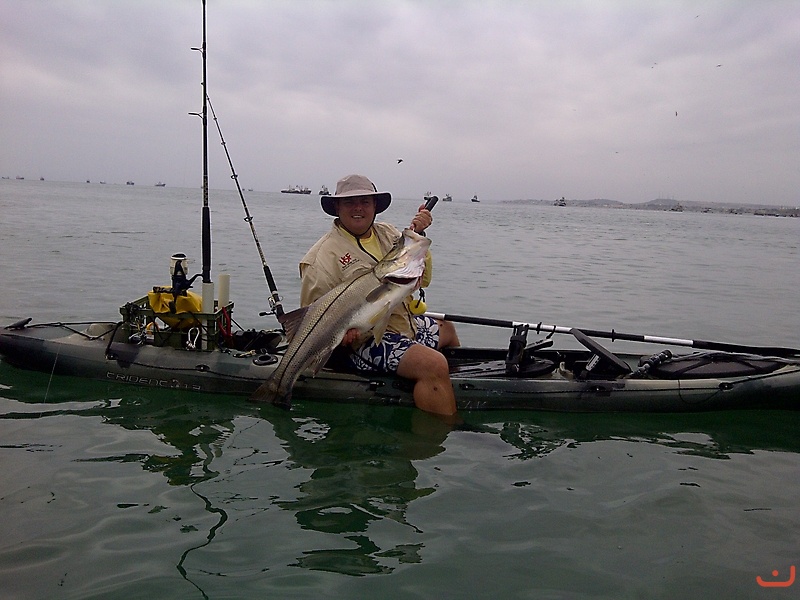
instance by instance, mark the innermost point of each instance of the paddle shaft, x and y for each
(617, 335)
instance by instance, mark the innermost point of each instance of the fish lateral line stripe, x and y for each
(306, 332)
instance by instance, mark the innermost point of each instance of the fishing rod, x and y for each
(208, 285)
(617, 335)
(274, 298)
(204, 116)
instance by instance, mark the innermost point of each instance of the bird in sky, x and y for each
(399, 160)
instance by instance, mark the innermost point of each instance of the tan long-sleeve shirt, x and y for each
(337, 257)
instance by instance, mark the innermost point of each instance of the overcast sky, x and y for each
(626, 100)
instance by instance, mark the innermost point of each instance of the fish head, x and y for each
(405, 262)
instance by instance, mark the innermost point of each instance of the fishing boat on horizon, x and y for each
(177, 339)
(323, 191)
(297, 189)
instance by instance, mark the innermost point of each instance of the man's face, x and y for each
(356, 213)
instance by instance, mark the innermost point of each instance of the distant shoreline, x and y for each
(670, 205)
(660, 204)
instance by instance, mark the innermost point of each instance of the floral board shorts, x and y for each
(385, 356)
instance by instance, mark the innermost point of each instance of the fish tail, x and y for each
(270, 392)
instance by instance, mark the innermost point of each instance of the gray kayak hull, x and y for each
(479, 378)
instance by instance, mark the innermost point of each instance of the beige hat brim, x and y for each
(382, 200)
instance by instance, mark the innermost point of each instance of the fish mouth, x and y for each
(405, 273)
(399, 280)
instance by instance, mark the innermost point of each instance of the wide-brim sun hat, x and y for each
(352, 186)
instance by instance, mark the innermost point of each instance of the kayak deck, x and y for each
(524, 376)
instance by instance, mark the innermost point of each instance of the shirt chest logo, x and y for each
(345, 260)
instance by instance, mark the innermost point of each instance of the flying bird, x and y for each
(399, 160)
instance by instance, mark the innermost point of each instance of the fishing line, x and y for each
(274, 299)
(52, 372)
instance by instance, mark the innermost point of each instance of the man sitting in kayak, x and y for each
(356, 243)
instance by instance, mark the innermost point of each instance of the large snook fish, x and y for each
(364, 303)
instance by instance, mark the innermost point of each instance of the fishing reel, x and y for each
(177, 269)
(180, 282)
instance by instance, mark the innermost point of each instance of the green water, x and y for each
(114, 493)
(120, 492)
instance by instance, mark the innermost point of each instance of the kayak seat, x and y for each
(603, 364)
(339, 361)
(715, 364)
(489, 368)
(536, 367)
(476, 362)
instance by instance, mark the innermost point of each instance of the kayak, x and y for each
(528, 375)
(178, 340)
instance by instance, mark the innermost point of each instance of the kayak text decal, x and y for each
(172, 384)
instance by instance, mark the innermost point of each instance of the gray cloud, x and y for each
(507, 99)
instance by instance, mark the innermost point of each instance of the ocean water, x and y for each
(110, 491)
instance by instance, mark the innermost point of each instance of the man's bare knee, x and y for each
(448, 336)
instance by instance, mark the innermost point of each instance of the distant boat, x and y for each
(475, 198)
(297, 189)
(19, 177)
(128, 183)
(561, 202)
(324, 190)
(41, 178)
(161, 184)
(447, 198)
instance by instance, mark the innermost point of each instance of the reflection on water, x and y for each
(362, 472)
(360, 461)
(347, 474)
(711, 435)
